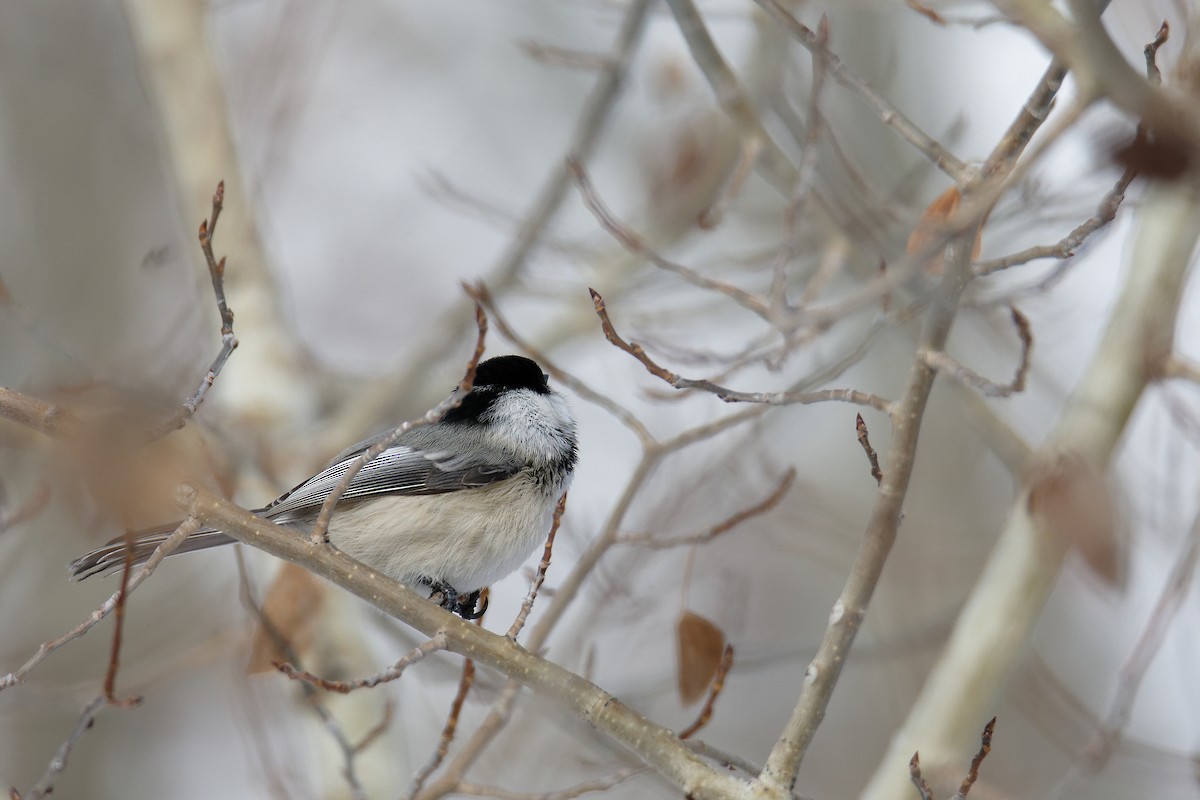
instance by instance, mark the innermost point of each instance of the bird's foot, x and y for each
(467, 605)
(450, 599)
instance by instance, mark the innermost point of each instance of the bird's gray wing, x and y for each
(399, 470)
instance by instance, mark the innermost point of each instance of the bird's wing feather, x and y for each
(399, 470)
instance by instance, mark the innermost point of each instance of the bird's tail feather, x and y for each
(111, 556)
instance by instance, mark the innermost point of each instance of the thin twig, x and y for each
(449, 730)
(592, 121)
(376, 733)
(484, 735)
(860, 428)
(996, 622)
(45, 786)
(637, 245)
(852, 396)
(918, 780)
(805, 178)
(985, 747)
(1178, 366)
(1109, 205)
(783, 764)
(707, 535)
(229, 342)
(951, 368)
(35, 504)
(714, 691)
(1150, 51)
(731, 97)
(479, 293)
(942, 158)
(434, 644)
(312, 697)
(711, 217)
(186, 528)
(540, 575)
(114, 658)
(1070, 244)
(1133, 671)
(554, 56)
(321, 526)
(598, 785)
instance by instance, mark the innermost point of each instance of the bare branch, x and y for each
(763, 506)
(953, 369)
(480, 294)
(942, 158)
(730, 96)
(448, 730)
(45, 786)
(1183, 368)
(714, 691)
(434, 644)
(1007, 600)
(852, 396)
(189, 526)
(229, 342)
(484, 735)
(593, 119)
(918, 780)
(1067, 246)
(48, 418)
(540, 575)
(565, 57)
(35, 504)
(380, 728)
(598, 785)
(114, 658)
(1150, 51)
(652, 743)
(985, 747)
(635, 244)
(312, 697)
(786, 756)
(1133, 671)
(923, 788)
(860, 428)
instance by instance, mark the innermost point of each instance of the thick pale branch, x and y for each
(654, 744)
(39, 415)
(994, 628)
(822, 674)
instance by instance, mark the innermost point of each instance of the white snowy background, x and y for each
(390, 150)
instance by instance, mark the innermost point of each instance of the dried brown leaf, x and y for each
(930, 227)
(699, 647)
(1069, 499)
(291, 610)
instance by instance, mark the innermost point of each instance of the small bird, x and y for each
(453, 506)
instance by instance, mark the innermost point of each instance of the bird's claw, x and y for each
(455, 603)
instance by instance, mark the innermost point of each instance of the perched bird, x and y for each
(453, 506)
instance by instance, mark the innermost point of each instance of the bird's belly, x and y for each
(468, 539)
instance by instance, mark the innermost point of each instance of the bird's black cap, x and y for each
(494, 377)
(511, 372)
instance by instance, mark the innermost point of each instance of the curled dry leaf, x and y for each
(1070, 499)
(699, 645)
(291, 610)
(929, 228)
